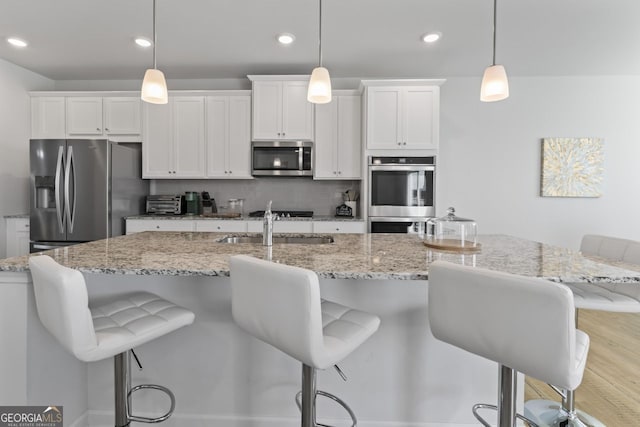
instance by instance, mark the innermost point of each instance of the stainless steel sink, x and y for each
(301, 240)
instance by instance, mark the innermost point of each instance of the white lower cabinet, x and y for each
(17, 235)
(239, 226)
(357, 227)
(222, 226)
(138, 225)
(282, 226)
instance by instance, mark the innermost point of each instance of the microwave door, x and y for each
(47, 163)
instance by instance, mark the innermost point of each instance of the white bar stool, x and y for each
(524, 324)
(281, 306)
(109, 330)
(612, 297)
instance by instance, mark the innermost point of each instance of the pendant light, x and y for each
(319, 91)
(495, 86)
(154, 86)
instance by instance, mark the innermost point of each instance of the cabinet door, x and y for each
(339, 227)
(267, 110)
(48, 117)
(383, 118)
(217, 136)
(239, 148)
(418, 118)
(222, 226)
(188, 137)
(284, 226)
(139, 225)
(297, 112)
(157, 145)
(84, 116)
(324, 146)
(349, 141)
(121, 116)
(17, 237)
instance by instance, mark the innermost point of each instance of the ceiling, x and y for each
(207, 39)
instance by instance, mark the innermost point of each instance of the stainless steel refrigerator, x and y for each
(82, 189)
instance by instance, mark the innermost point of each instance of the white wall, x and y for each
(15, 129)
(489, 163)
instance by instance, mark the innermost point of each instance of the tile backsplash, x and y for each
(322, 197)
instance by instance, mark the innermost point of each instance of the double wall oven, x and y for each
(401, 194)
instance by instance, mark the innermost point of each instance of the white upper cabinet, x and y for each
(280, 109)
(48, 117)
(402, 116)
(337, 146)
(122, 116)
(228, 136)
(174, 138)
(116, 118)
(83, 115)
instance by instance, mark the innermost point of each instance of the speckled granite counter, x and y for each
(351, 256)
(17, 216)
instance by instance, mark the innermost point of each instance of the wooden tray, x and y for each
(453, 245)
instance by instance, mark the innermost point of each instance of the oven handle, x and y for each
(405, 168)
(397, 219)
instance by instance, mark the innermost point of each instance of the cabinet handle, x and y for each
(404, 143)
(158, 227)
(230, 172)
(339, 172)
(399, 143)
(97, 129)
(337, 229)
(218, 227)
(283, 134)
(107, 129)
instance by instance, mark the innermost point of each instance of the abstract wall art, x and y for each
(572, 167)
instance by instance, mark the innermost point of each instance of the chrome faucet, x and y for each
(267, 226)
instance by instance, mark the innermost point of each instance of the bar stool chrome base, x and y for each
(124, 392)
(306, 399)
(547, 413)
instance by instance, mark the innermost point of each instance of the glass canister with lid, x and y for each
(451, 232)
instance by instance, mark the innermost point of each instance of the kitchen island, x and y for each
(221, 376)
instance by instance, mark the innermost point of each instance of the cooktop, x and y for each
(285, 213)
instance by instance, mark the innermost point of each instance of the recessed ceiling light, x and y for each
(286, 38)
(141, 41)
(17, 42)
(431, 37)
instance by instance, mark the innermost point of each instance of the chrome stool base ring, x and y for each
(495, 408)
(335, 399)
(547, 413)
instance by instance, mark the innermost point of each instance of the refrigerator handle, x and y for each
(58, 189)
(70, 210)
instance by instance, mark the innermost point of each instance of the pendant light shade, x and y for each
(495, 85)
(319, 91)
(154, 86)
(319, 86)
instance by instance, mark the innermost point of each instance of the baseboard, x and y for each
(82, 421)
(105, 419)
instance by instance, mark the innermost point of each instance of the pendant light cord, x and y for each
(319, 36)
(495, 2)
(154, 35)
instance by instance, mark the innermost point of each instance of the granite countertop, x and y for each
(242, 218)
(351, 256)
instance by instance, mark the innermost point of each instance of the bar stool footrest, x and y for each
(152, 420)
(335, 399)
(495, 408)
(549, 413)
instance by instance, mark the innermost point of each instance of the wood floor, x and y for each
(610, 389)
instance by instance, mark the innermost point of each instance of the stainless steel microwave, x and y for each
(282, 158)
